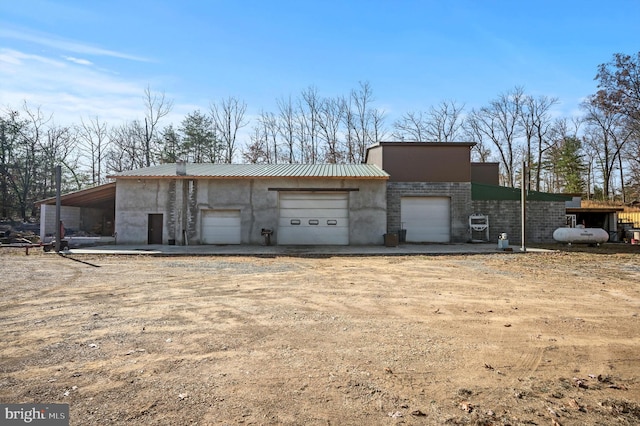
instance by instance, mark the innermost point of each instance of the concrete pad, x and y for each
(256, 250)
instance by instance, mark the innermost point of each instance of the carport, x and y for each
(597, 217)
(85, 213)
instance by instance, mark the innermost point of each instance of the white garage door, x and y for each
(314, 218)
(426, 219)
(221, 226)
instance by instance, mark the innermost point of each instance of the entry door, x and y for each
(155, 229)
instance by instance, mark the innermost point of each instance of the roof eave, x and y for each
(594, 209)
(182, 177)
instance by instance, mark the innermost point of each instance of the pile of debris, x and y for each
(17, 233)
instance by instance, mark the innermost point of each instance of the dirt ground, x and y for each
(498, 339)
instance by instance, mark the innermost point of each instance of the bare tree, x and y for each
(156, 107)
(23, 174)
(135, 144)
(331, 110)
(378, 131)
(270, 130)
(606, 134)
(632, 153)
(362, 124)
(480, 151)
(442, 123)
(257, 152)
(308, 124)
(94, 137)
(619, 93)
(9, 139)
(536, 123)
(445, 122)
(59, 146)
(287, 127)
(411, 126)
(228, 119)
(126, 150)
(349, 123)
(500, 123)
(619, 87)
(31, 146)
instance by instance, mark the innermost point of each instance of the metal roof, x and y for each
(422, 143)
(208, 170)
(97, 195)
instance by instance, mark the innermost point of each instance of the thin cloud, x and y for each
(66, 88)
(70, 90)
(13, 61)
(78, 60)
(67, 45)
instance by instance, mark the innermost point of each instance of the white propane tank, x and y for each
(581, 235)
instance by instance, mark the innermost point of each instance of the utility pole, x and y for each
(58, 232)
(3, 171)
(523, 201)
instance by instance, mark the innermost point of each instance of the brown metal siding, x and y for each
(427, 162)
(486, 173)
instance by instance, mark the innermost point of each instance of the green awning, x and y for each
(491, 192)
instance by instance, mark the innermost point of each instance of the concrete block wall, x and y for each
(73, 218)
(542, 218)
(367, 213)
(96, 221)
(181, 210)
(191, 207)
(183, 201)
(135, 200)
(258, 205)
(173, 217)
(70, 217)
(458, 192)
(231, 194)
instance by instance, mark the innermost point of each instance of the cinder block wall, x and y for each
(70, 217)
(135, 200)
(458, 192)
(542, 218)
(182, 202)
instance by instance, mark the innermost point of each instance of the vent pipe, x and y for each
(181, 168)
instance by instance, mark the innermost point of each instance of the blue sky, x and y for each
(95, 58)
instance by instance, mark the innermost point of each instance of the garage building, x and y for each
(429, 189)
(296, 204)
(426, 192)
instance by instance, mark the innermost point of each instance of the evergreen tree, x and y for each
(172, 145)
(569, 165)
(200, 142)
